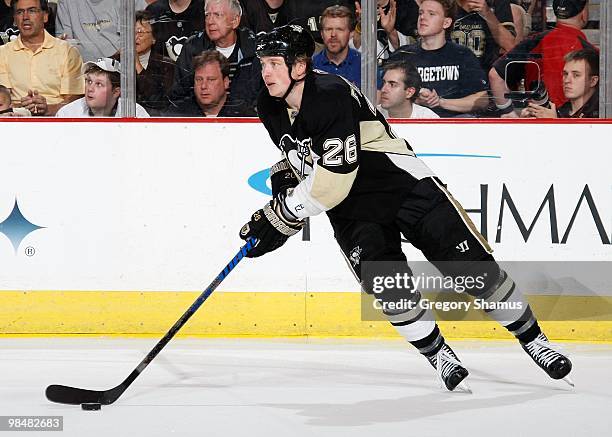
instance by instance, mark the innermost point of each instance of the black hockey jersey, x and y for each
(172, 30)
(472, 31)
(349, 160)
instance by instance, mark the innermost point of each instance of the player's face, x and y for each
(210, 86)
(99, 93)
(220, 20)
(336, 34)
(275, 75)
(143, 37)
(431, 18)
(30, 18)
(576, 80)
(393, 92)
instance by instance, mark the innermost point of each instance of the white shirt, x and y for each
(226, 51)
(79, 109)
(144, 59)
(418, 111)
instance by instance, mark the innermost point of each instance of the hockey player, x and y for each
(341, 157)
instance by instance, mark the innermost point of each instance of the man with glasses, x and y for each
(42, 72)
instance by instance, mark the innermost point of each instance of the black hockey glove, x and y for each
(282, 178)
(271, 227)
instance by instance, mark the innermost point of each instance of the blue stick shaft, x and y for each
(72, 395)
(190, 311)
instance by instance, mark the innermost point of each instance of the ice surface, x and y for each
(305, 387)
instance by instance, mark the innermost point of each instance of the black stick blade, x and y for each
(71, 395)
(63, 394)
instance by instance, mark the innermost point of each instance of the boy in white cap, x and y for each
(102, 92)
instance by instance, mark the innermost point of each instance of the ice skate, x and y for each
(449, 369)
(549, 358)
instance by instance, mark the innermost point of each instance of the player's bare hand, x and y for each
(387, 21)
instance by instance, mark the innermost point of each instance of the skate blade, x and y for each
(569, 381)
(463, 387)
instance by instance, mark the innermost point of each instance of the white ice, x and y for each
(305, 387)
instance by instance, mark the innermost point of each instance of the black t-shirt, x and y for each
(172, 30)
(452, 70)
(589, 110)
(471, 30)
(258, 16)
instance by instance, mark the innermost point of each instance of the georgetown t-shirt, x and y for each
(452, 71)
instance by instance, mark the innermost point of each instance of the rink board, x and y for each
(135, 217)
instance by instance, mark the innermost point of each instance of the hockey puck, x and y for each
(94, 406)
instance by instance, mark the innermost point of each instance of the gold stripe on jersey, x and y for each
(466, 218)
(328, 188)
(374, 138)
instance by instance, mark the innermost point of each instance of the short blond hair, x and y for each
(337, 11)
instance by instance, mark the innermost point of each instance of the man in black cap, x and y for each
(541, 57)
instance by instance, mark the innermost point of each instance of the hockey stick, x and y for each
(75, 396)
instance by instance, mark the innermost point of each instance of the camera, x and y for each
(521, 93)
(537, 94)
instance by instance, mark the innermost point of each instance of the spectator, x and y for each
(485, 27)
(154, 72)
(453, 83)
(236, 44)
(42, 72)
(308, 13)
(102, 92)
(264, 15)
(93, 24)
(549, 48)
(401, 86)
(174, 22)
(337, 26)
(8, 30)
(580, 87)
(210, 91)
(396, 25)
(6, 105)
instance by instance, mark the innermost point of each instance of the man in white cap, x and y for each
(102, 92)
